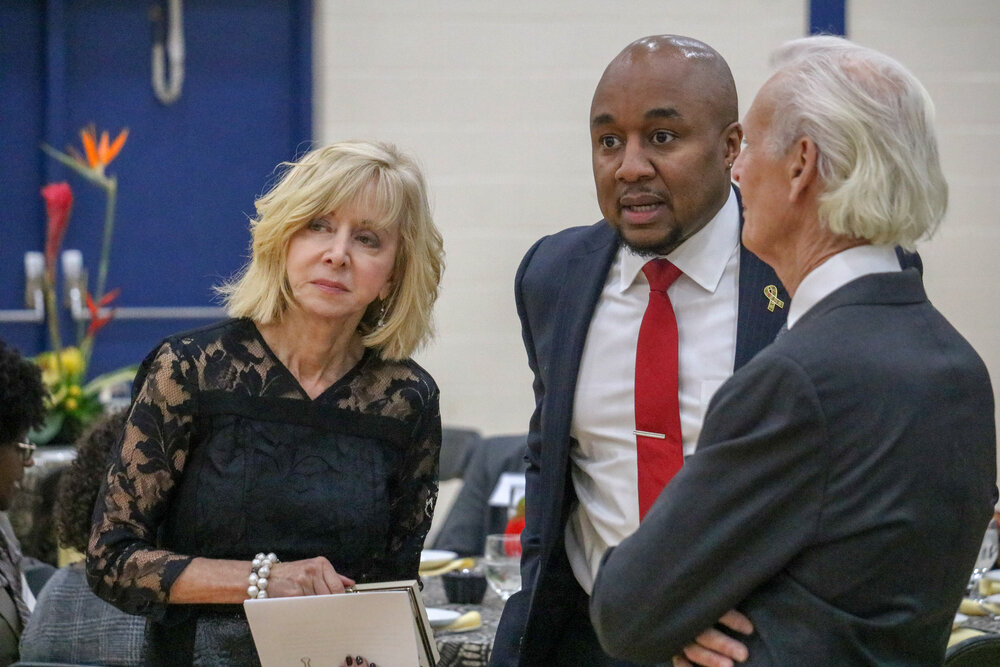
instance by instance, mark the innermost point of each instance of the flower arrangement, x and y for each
(515, 525)
(73, 403)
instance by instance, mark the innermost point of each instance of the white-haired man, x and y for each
(844, 476)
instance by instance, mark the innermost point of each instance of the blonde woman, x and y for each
(298, 431)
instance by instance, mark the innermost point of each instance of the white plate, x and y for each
(431, 558)
(441, 617)
(959, 619)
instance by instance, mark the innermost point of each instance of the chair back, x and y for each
(981, 651)
(456, 447)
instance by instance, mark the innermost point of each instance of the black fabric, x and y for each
(224, 455)
(982, 651)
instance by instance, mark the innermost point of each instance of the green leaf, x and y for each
(111, 378)
(83, 170)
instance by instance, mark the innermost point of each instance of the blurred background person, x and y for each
(471, 517)
(299, 429)
(21, 408)
(69, 623)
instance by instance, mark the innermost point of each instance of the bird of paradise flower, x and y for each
(99, 152)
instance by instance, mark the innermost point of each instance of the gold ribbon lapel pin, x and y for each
(771, 292)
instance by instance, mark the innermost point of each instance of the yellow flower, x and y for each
(74, 390)
(47, 362)
(70, 404)
(72, 361)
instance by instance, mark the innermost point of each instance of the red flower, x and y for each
(96, 321)
(515, 525)
(514, 528)
(58, 202)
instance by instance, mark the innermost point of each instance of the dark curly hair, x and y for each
(81, 480)
(21, 395)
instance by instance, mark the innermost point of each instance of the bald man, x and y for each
(664, 136)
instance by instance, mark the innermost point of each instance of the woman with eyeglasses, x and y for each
(21, 393)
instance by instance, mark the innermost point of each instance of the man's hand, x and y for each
(713, 648)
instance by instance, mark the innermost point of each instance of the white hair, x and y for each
(872, 122)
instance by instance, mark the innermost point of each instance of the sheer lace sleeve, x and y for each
(416, 490)
(124, 566)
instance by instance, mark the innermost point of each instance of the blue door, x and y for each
(189, 171)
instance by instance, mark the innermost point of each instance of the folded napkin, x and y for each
(456, 564)
(989, 587)
(467, 621)
(960, 635)
(971, 607)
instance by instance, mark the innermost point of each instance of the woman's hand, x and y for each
(357, 661)
(312, 576)
(713, 648)
(219, 581)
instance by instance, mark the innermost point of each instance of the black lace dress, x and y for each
(224, 455)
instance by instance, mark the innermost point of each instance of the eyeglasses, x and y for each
(27, 450)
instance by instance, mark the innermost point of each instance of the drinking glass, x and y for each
(987, 558)
(502, 562)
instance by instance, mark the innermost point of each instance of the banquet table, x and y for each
(472, 648)
(469, 648)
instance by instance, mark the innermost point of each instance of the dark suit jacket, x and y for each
(557, 289)
(838, 497)
(10, 628)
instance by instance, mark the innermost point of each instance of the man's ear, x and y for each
(734, 140)
(803, 170)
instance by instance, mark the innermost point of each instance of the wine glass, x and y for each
(986, 559)
(502, 561)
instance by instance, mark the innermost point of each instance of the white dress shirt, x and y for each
(705, 302)
(836, 272)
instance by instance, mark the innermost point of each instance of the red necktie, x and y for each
(657, 409)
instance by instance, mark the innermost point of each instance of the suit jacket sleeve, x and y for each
(739, 509)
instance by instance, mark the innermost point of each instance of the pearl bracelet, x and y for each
(260, 570)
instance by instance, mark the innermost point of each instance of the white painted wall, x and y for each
(952, 47)
(493, 99)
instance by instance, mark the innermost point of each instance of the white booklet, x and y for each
(384, 622)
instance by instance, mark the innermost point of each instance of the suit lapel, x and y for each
(584, 280)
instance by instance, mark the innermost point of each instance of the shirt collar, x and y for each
(702, 258)
(836, 272)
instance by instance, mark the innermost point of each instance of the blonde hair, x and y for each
(315, 185)
(873, 124)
